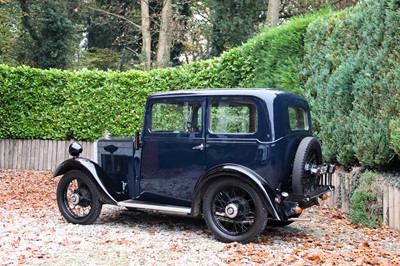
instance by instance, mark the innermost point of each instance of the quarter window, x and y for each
(233, 117)
(298, 118)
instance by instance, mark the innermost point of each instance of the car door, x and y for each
(173, 155)
(238, 133)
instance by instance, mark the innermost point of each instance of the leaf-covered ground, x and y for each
(32, 232)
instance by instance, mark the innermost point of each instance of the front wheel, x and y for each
(234, 211)
(77, 198)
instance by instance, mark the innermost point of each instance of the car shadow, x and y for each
(166, 222)
(121, 215)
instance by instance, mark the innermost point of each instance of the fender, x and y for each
(90, 168)
(244, 174)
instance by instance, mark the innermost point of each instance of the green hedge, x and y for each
(349, 65)
(81, 105)
(351, 68)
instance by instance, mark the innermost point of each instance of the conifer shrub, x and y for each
(351, 67)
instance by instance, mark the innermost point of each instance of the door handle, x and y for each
(199, 147)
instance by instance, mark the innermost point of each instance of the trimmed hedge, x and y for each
(81, 105)
(351, 68)
(349, 65)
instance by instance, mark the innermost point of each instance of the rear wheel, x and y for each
(308, 152)
(234, 211)
(77, 198)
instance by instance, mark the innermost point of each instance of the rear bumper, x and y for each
(323, 186)
(309, 199)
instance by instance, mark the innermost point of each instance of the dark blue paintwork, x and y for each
(171, 169)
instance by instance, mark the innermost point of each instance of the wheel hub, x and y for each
(75, 198)
(231, 210)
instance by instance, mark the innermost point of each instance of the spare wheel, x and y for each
(308, 152)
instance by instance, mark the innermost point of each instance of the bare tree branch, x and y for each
(115, 15)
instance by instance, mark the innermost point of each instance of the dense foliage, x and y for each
(103, 34)
(349, 63)
(366, 201)
(233, 22)
(55, 104)
(351, 69)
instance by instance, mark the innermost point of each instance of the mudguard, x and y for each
(244, 174)
(90, 168)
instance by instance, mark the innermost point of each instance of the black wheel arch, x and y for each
(91, 169)
(244, 174)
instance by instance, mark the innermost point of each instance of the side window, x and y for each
(234, 117)
(298, 118)
(176, 117)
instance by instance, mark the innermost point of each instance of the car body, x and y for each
(239, 158)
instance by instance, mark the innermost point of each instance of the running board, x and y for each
(155, 207)
(299, 220)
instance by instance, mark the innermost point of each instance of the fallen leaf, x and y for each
(359, 261)
(290, 259)
(327, 247)
(338, 245)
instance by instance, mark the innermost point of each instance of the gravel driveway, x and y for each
(32, 232)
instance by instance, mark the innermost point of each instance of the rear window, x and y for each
(298, 118)
(233, 117)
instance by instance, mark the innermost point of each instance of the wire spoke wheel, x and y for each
(234, 211)
(77, 198)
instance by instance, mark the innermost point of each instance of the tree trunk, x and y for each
(26, 21)
(164, 41)
(274, 7)
(146, 42)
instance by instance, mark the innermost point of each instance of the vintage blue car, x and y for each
(239, 158)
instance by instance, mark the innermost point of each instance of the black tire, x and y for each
(309, 151)
(77, 198)
(234, 211)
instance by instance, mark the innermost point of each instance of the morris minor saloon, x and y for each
(238, 158)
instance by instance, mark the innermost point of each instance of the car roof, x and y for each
(261, 93)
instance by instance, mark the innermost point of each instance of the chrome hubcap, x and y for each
(231, 210)
(75, 198)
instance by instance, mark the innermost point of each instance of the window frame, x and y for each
(198, 102)
(305, 118)
(234, 100)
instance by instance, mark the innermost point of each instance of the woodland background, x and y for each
(141, 34)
